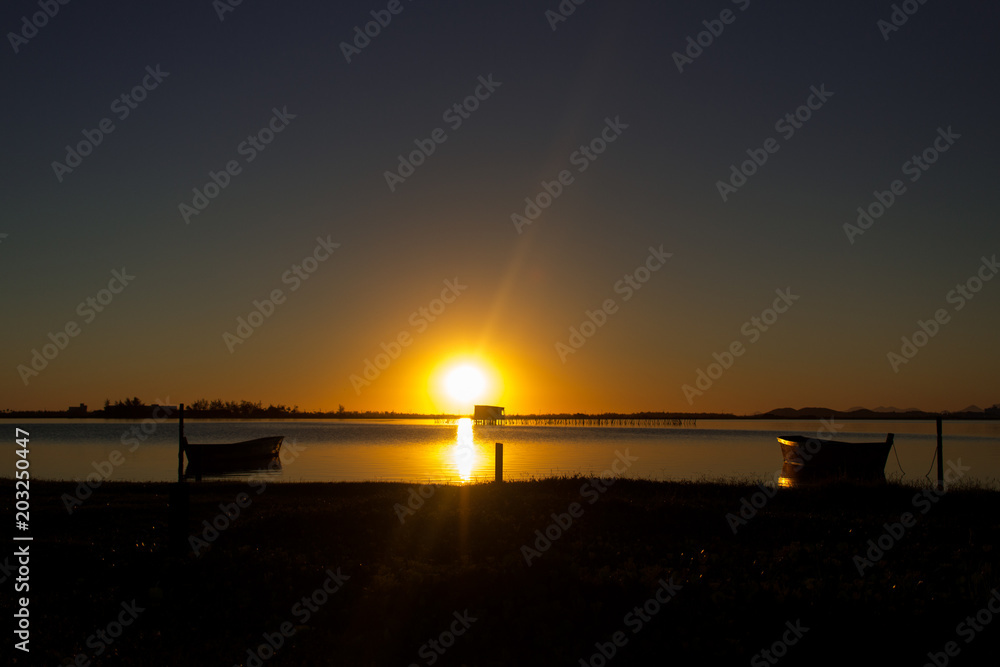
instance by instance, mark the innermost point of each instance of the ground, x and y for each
(643, 572)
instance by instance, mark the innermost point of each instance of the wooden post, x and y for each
(499, 475)
(180, 446)
(179, 501)
(940, 459)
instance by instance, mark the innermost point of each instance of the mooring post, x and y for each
(940, 458)
(180, 445)
(179, 502)
(499, 475)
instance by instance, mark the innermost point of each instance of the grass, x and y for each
(793, 559)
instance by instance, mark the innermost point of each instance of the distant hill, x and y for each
(881, 412)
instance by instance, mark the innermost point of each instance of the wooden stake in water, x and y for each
(499, 476)
(178, 501)
(180, 446)
(940, 457)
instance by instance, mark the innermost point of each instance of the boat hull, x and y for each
(246, 455)
(809, 460)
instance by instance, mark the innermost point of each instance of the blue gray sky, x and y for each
(563, 314)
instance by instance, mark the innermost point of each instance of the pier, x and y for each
(635, 422)
(494, 416)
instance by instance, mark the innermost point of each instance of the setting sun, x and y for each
(465, 383)
(463, 379)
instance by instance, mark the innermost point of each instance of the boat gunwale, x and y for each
(242, 443)
(799, 440)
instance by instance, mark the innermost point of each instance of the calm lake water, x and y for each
(425, 451)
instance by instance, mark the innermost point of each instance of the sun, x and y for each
(465, 383)
(463, 380)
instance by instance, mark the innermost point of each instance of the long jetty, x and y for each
(641, 422)
(636, 421)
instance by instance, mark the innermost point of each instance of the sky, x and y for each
(612, 206)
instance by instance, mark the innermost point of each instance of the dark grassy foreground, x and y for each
(461, 551)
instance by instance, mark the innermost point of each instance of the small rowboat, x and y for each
(814, 460)
(235, 455)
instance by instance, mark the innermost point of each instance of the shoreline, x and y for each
(734, 482)
(790, 414)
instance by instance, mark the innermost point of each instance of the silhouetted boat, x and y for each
(235, 455)
(809, 460)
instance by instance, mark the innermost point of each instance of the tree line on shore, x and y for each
(136, 408)
(220, 409)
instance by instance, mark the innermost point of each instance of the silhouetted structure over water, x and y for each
(488, 414)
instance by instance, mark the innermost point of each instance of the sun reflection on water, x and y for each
(464, 454)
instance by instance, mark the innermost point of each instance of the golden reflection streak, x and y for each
(463, 454)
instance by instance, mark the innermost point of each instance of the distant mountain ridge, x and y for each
(881, 412)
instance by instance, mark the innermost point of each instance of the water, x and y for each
(424, 451)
